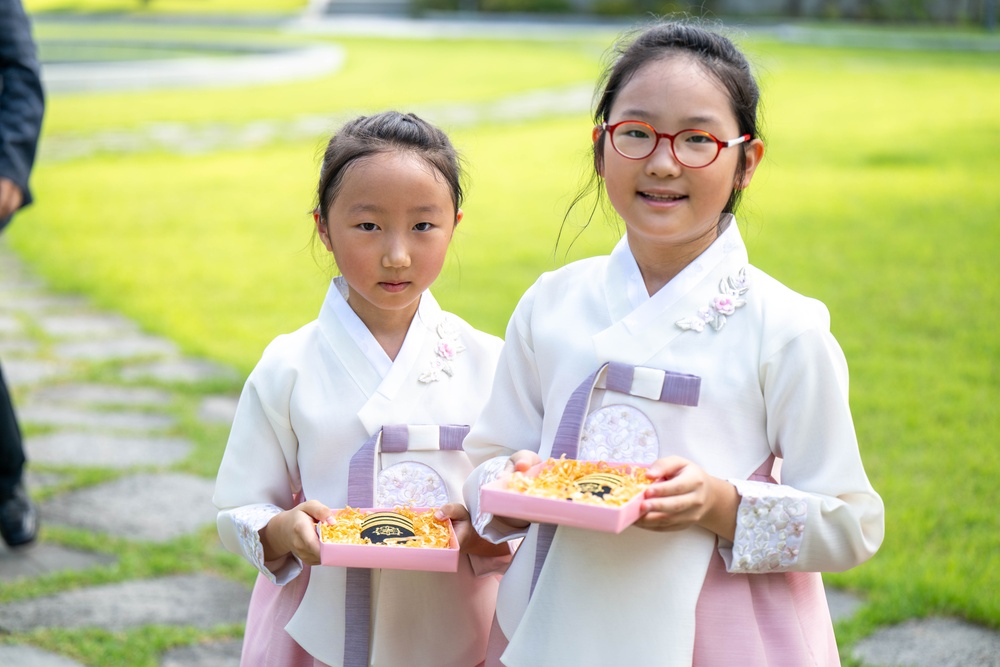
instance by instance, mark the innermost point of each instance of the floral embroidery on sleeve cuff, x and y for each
(492, 470)
(770, 522)
(249, 520)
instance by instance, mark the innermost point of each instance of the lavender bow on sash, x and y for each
(361, 494)
(676, 388)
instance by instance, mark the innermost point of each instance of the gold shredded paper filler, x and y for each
(557, 479)
(345, 528)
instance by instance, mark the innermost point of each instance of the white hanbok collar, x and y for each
(426, 317)
(638, 305)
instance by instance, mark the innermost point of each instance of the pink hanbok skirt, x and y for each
(752, 620)
(265, 642)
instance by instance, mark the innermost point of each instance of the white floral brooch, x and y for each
(730, 297)
(448, 347)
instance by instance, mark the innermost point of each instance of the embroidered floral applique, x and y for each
(730, 297)
(492, 470)
(449, 346)
(619, 434)
(770, 523)
(411, 484)
(249, 520)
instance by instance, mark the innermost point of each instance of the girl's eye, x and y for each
(695, 138)
(368, 226)
(636, 134)
(423, 226)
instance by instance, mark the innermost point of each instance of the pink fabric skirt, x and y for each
(763, 620)
(759, 620)
(265, 642)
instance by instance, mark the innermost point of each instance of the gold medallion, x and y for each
(388, 527)
(598, 483)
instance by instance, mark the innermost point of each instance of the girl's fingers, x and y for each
(664, 489)
(666, 468)
(453, 511)
(524, 459)
(317, 510)
(669, 505)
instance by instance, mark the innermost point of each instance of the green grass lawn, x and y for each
(877, 196)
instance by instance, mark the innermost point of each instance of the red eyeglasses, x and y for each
(694, 149)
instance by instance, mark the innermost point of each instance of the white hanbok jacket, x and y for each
(313, 400)
(773, 383)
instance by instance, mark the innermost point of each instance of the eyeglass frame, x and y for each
(610, 129)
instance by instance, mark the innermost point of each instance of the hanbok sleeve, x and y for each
(824, 516)
(257, 477)
(516, 398)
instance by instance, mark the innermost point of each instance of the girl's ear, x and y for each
(598, 159)
(458, 216)
(754, 152)
(322, 230)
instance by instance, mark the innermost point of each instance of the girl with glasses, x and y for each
(304, 440)
(674, 352)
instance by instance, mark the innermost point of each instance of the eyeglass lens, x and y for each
(692, 148)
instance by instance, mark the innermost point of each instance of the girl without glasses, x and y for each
(758, 484)
(381, 352)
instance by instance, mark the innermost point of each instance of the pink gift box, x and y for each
(391, 557)
(497, 499)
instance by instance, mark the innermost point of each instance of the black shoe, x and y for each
(18, 519)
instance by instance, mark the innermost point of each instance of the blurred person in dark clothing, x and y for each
(22, 103)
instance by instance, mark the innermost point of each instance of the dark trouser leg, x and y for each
(11, 447)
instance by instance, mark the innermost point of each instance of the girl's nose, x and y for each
(662, 162)
(396, 255)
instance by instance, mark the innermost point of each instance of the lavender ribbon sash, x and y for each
(361, 493)
(678, 388)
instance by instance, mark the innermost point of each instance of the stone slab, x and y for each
(40, 480)
(842, 604)
(26, 372)
(179, 370)
(46, 558)
(52, 415)
(14, 280)
(143, 507)
(112, 349)
(10, 325)
(86, 324)
(931, 642)
(20, 655)
(101, 394)
(36, 302)
(218, 409)
(214, 654)
(18, 348)
(189, 600)
(105, 450)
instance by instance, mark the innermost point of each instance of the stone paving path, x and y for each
(125, 424)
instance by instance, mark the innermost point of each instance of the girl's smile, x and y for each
(662, 198)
